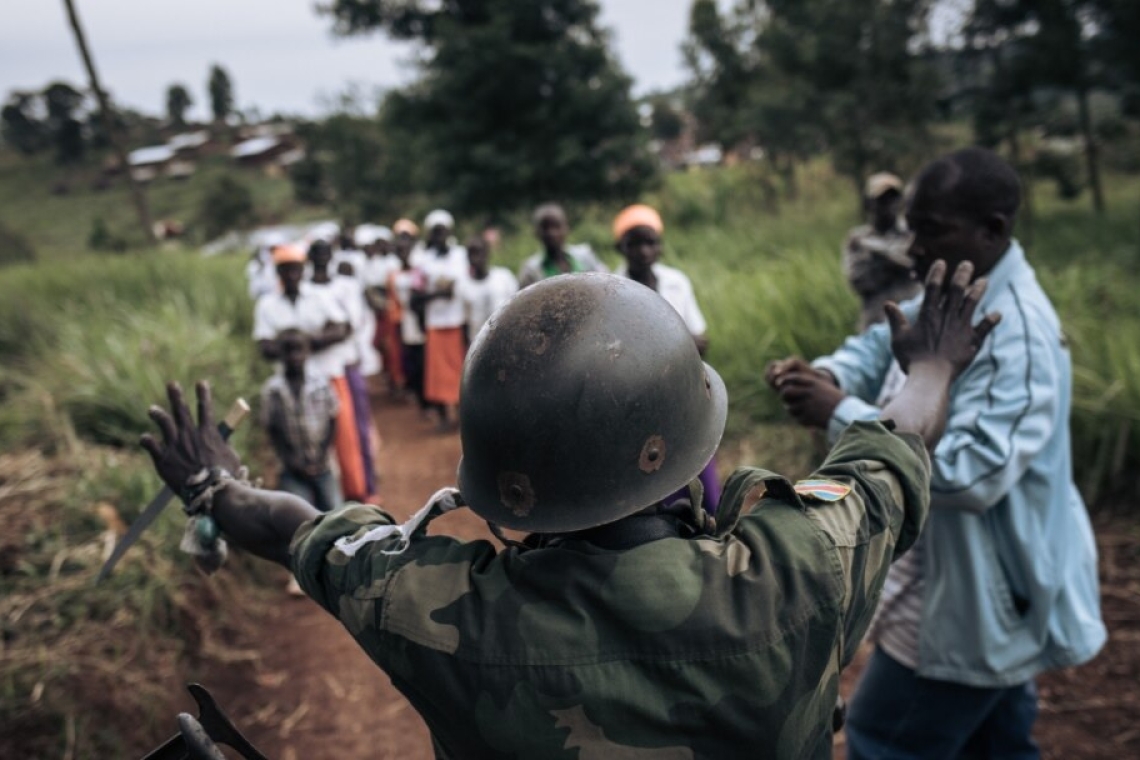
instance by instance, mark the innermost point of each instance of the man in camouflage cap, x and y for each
(617, 629)
(875, 259)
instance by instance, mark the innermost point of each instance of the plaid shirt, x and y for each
(299, 427)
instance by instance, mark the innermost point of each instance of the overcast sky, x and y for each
(279, 53)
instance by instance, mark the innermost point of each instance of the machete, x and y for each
(226, 427)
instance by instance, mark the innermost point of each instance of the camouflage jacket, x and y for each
(716, 646)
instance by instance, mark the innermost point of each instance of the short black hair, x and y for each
(548, 211)
(974, 182)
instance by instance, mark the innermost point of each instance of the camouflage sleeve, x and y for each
(889, 476)
(323, 571)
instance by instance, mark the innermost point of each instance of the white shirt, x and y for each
(675, 287)
(377, 269)
(403, 282)
(481, 298)
(358, 260)
(451, 267)
(262, 274)
(348, 292)
(312, 310)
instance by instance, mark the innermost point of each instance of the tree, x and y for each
(347, 166)
(1118, 29)
(221, 93)
(666, 122)
(517, 102)
(226, 205)
(19, 125)
(802, 76)
(1057, 45)
(178, 100)
(107, 112)
(62, 101)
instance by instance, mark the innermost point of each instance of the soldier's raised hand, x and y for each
(944, 331)
(187, 448)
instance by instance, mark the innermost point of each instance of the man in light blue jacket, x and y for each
(1002, 584)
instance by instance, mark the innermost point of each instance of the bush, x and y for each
(102, 239)
(226, 205)
(1062, 164)
(308, 181)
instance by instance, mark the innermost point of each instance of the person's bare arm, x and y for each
(333, 332)
(261, 522)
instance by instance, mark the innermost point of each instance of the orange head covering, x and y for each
(637, 215)
(289, 254)
(406, 225)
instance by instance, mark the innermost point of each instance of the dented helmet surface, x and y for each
(584, 400)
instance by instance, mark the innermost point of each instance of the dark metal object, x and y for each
(190, 744)
(199, 745)
(584, 400)
(226, 427)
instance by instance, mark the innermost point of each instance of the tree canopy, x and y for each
(801, 76)
(178, 100)
(517, 102)
(221, 90)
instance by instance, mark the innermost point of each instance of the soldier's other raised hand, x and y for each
(944, 331)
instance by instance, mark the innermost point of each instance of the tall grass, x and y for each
(84, 349)
(87, 346)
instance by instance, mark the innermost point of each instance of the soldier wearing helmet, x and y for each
(618, 627)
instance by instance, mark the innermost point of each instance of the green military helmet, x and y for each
(584, 400)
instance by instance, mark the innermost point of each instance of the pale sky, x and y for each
(280, 54)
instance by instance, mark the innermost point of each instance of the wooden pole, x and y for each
(137, 194)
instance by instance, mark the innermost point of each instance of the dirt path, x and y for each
(312, 693)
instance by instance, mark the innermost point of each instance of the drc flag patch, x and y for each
(822, 490)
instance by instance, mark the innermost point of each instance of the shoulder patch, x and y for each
(822, 490)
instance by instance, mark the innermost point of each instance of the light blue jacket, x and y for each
(1010, 564)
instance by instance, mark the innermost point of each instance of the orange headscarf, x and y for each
(406, 225)
(637, 215)
(288, 254)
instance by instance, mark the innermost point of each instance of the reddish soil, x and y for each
(312, 693)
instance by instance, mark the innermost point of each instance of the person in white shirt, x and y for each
(354, 257)
(358, 478)
(556, 257)
(444, 265)
(637, 232)
(408, 335)
(297, 305)
(486, 289)
(260, 270)
(300, 305)
(375, 242)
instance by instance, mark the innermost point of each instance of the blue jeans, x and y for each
(323, 492)
(897, 715)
